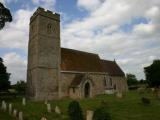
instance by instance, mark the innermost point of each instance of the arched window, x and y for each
(49, 28)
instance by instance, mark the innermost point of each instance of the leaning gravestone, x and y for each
(20, 116)
(57, 110)
(24, 101)
(10, 108)
(49, 107)
(43, 118)
(89, 115)
(15, 113)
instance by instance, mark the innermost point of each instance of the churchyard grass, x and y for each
(129, 107)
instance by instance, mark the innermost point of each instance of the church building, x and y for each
(54, 72)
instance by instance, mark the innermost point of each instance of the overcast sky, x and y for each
(125, 30)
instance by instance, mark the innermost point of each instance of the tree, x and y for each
(20, 86)
(4, 77)
(131, 79)
(5, 15)
(75, 111)
(152, 74)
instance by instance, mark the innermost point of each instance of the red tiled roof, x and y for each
(74, 60)
(112, 68)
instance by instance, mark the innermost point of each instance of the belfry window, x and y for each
(49, 28)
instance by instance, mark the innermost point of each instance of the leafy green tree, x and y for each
(5, 15)
(75, 111)
(152, 74)
(4, 77)
(20, 86)
(131, 79)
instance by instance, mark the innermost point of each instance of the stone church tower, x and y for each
(43, 71)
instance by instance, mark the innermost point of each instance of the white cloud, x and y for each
(16, 65)
(15, 34)
(89, 4)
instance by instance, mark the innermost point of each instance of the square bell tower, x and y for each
(43, 70)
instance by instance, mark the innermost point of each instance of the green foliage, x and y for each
(20, 86)
(5, 15)
(75, 111)
(101, 113)
(152, 73)
(131, 79)
(4, 77)
(145, 101)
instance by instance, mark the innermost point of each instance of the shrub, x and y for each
(101, 114)
(75, 111)
(146, 101)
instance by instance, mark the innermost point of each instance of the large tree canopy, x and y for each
(152, 73)
(5, 15)
(4, 77)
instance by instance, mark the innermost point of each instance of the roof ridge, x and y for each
(80, 51)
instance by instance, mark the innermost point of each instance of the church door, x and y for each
(87, 90)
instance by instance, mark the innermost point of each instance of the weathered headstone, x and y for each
(119, 95)
(24, 101)
(49, 107)
(89, 115)
(20, 116)
(43, 118)
(10, 108)
(57, 110)
(15, 113)
(3, 102)
(4, 105)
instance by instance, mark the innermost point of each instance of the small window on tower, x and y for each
(49, 28)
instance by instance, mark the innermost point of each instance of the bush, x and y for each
(75, 111)
(101, 114)
(146, 101)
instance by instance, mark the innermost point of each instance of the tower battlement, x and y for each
(45, 13)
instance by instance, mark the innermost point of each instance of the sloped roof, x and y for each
(74, 60)
(112, 68)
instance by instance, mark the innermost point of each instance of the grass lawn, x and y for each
(127, 108)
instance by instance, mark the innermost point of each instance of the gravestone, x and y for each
(49, 107)
(89, 115)
(4, 106)
(57, 110)
(15, 113)
(10, 108)
(20, 116)
(24, 101)
(3, 102)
